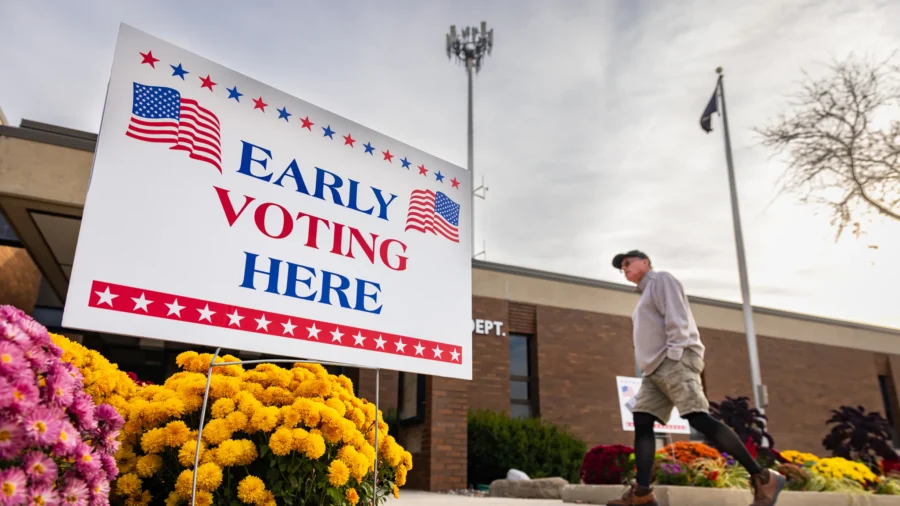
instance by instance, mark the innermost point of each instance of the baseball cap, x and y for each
(617, 260)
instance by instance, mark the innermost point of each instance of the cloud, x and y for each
(586, 117)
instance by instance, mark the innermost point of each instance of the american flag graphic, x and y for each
(434, 213)
(160, 114)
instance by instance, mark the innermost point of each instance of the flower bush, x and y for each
(606, 465)
(840, 468)
(689, 451)
(56, 444)
(800, 458)
(294, 436)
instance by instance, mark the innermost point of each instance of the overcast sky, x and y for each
(586, 118)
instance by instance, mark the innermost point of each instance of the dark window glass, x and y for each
(518, 355)
(520, 410)
(518, 390)
(6, 231)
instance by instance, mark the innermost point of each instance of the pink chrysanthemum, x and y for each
(42, 426)
(11, 438)
(109, 466)
(83, 409)
(10, 332)
(110, 418)
(37, 332)
(6, 394)
(109, 441)
(87, 461)
(11, 359)
(60, 387)
(99, 492)
(42, 495)
(75, 492)
(40, 468)
(39, 360)
(24, 392)
(12, 487)
(67, 441)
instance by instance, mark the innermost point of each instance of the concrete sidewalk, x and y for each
(416, 498)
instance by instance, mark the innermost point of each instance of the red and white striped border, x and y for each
(128, 299)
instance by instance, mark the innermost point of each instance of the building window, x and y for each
(523, 392)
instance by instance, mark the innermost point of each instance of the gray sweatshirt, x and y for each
(663, 323)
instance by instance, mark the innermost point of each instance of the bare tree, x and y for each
(842, 137)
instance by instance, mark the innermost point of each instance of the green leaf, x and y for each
(294, 482)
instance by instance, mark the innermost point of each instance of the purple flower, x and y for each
(109, 466)
(11, 359)
(111, 418)
(6, 394)
(99, 492)
(75, 492)
(67, 441)
(83, 409)
(42, 426)
(42, 495)
(87, 461)
(11, 438)
(40, 468)
(39, 359)
(12, 487)
(60, 388)
(671, 468)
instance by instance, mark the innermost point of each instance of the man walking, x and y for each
(670, 355)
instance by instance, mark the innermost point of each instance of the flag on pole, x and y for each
(711, 107)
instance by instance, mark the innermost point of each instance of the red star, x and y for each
(388, 156)
(259, 104)
(148, 58)
(423, 170)
(455, 183)
(307, 124)
(348, 139)
(207, 82)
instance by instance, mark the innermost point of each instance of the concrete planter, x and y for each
(542, 488)
(696, 496)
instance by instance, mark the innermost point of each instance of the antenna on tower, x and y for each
(483, 252)
(483, 189)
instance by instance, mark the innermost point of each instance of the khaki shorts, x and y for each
(673, 384)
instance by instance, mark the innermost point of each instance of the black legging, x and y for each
(716, 432)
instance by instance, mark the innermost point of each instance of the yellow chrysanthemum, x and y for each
(148, 465)
(263, 420)
(173, 499)
(209, 477)
(396, 491)
(281, 442)
(352, 496)
(176, 433)
(222, 408)
(129, 485)
(237, 421)
(185, 483)
(142, 499)
(216, 431)
(251, 490)
(188, 451)
(338, 473)
(153, 441)
(204, 498)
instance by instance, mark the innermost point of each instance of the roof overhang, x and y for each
(44, 175)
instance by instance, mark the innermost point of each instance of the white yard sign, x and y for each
(628, 388)
(223, 212)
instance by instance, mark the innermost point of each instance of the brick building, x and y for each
(545, 344)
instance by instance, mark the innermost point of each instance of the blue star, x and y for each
(405, 163)
(439, 176)
(282, 113)
(328, 132)
(178, 71)
(233, 93)
(369, 148)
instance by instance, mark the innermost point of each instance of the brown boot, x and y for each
(766, 487)
(636, 496)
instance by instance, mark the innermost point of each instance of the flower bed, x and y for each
(77, 431)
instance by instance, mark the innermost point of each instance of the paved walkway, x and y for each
(413, 497)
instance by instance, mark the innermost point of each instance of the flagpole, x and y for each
(760, 399)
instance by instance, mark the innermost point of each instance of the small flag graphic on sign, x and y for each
(160, 114)
(433, 213)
